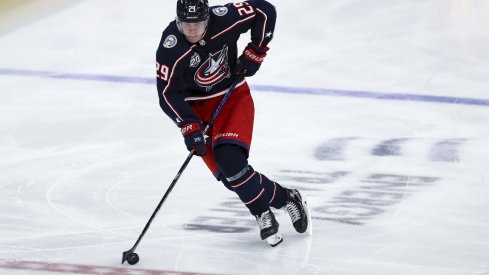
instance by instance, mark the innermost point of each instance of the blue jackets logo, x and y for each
(213, 70)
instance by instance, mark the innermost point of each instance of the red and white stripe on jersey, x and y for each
(211, 79)
(263, 29)
(171, 78)
(193, 98)
(232, 26)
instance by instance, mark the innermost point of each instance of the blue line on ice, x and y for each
(262, 88)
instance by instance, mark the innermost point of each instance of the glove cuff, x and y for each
(254, 53)
(189, 128)
(260, 50)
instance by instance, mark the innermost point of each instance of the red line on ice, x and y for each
(82, 269)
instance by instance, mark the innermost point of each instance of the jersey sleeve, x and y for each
(258, 16)
(170, 59)
(263, 26)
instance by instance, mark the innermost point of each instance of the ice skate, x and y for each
(269, 228)
(296, 206)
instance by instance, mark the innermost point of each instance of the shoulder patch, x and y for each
(220, 11)
(170, 41)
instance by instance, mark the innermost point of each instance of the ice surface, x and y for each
(397, 186)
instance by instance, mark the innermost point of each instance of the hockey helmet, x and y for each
(191, 11)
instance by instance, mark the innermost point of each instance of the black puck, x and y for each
(133, 258)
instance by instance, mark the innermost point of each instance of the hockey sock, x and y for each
(231, 160)
(276, 194)
(242, 179)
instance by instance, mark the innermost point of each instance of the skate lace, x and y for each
(293, 210)
(265, 221)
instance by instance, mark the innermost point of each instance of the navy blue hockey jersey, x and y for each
(188, 72)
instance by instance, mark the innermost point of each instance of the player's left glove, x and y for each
(249, 62)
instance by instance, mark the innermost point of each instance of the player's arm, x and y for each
(262, 27)
(170, 85)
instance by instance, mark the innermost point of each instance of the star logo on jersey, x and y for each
(268, 34)
(213, 70)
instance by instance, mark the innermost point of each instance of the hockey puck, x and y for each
(132, 258)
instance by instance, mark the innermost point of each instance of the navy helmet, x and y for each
(192, 10)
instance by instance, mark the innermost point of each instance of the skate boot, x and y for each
(296, 206)
(269, 228)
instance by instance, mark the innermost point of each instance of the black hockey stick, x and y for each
(130, 256)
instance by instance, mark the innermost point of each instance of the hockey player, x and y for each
(196, 62)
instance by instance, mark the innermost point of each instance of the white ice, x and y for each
(395, 186)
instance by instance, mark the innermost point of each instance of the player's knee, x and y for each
(231, 160)
(226, 182)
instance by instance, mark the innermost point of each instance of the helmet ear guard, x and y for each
(192, 11)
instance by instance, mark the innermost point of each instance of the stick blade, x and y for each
(125, 254)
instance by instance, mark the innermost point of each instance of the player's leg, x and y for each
(231, 140)
(277, 196)
(233, 131)
(236, 128)
(291, 200)
(240, 177)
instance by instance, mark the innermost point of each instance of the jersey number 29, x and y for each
(244, 8)
(162, 71)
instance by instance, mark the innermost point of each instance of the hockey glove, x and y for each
(249, 62)
(194, 138)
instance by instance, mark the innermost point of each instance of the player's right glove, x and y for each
(194, 138)
(249, 62)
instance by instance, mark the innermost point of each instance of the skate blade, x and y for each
(274, 240)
